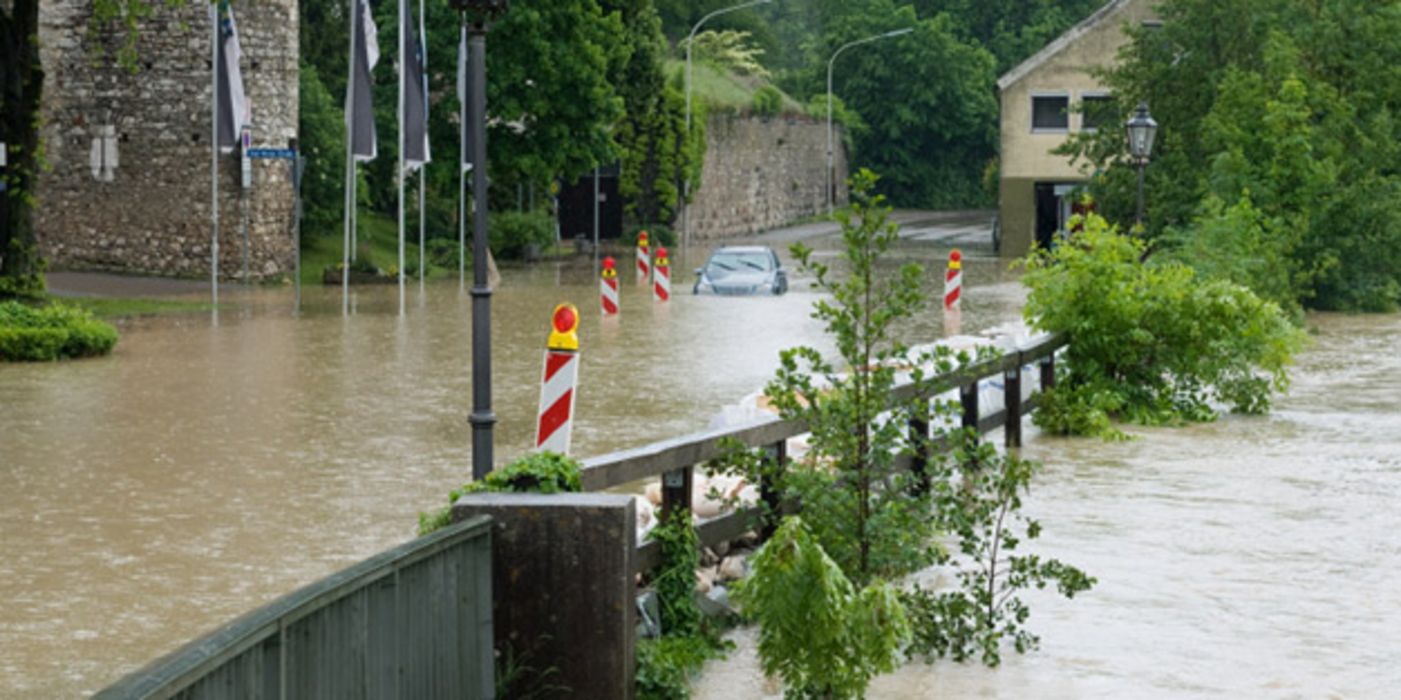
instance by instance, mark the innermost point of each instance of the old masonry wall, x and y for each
(153, 214)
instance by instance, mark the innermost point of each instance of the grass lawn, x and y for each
(378, 243)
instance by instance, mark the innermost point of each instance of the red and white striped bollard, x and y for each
(555, 426)
(644, 260)
(953, 282)
(661, 287)
(608, 287)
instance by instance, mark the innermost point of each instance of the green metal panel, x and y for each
(412, 622)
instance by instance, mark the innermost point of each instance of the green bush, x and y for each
(512, 233)
(53, 332)
(768, 101)
(538, 472)
(1152, 343)
(817, 632)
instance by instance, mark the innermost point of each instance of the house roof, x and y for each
(1060, 44)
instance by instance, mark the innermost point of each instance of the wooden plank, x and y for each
(607, 471)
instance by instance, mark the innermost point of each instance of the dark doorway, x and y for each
(576, 207)
(1047, 214)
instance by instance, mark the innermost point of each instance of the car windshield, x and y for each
(724, 263)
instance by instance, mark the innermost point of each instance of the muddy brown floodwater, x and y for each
(206, 468)
(1247, 558)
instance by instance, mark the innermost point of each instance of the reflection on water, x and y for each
(1253, 557)
(206, 468)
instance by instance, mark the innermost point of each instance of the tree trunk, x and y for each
(21, 84)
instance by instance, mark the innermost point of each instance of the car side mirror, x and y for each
(699, 270)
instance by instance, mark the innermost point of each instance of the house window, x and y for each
(1096, 111)
(1050, 112)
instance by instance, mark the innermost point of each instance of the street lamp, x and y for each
(691, 39)
(1142, 129)
(477, 15)
(829, 194)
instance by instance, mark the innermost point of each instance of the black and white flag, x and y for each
(463, 99)
(234, 110)
(413, 72)
(361, 112)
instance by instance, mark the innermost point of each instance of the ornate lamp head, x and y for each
(1142, 129)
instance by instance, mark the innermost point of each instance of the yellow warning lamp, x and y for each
(662, 258)
(642, 240)
(564, 327)
(609, 268)
(955, 260)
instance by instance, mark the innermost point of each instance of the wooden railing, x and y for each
(412, 622)
(675, 460)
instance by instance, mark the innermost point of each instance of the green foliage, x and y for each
(512, 233)
(979, 500)
(816, 631)
(321, 128)
(53, 332)
(869, 530)
(729, 50)
(654, 151)
(519, 679)
(537, 472)
(665, 666)
(675, 581)
(1012, 30)
(1152, 343)
(899, 83)
(768, 101)
(1274, 129)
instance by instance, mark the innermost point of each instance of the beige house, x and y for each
(1047, 98)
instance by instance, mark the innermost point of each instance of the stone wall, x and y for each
(154, 215)
(761, 174)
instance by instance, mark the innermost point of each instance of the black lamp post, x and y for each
(1142, 129)
(477, 15)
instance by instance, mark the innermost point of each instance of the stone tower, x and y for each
(151, 213)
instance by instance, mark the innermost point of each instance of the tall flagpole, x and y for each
(400, 110)
(422, 169)
(214, 156)
(462, 161)
(349, 161)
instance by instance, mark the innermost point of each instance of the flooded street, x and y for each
(1252, 557)
(204, 469)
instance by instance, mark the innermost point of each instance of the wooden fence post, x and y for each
(676, 490)
(968, 397)
(1012, 390)
(1048, 371)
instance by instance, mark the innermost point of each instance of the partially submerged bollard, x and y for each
(644, 259)
(662, 287)
(608, 287)
(953, 281)
(556, 417)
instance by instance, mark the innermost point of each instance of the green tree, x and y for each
(1152, 342)
(651, 140)
(1270, 101)
(21, 86)
(925, 97)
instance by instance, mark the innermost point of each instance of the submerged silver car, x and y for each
(737, 270)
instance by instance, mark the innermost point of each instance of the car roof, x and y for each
(743, 249)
